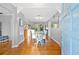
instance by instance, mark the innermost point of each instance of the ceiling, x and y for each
(39, 12)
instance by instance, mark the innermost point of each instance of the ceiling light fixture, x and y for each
(39, 17)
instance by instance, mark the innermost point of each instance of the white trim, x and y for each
(57, 42)
(20, 41)
(14, 46)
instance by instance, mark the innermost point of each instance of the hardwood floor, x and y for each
(50, 48)
(5, 46)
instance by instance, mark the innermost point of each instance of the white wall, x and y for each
(21, 28)
(56, 35)
(6, 25)
(8, 8)
(49, 29)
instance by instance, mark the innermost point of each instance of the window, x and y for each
(20, 22)
(54, 25)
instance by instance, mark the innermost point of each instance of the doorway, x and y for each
(37, 33)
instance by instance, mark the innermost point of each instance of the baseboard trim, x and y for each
(14, 46)
(56, 41)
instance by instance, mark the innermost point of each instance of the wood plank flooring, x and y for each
(50, 48)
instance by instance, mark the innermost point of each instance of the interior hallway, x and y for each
(29, 14)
